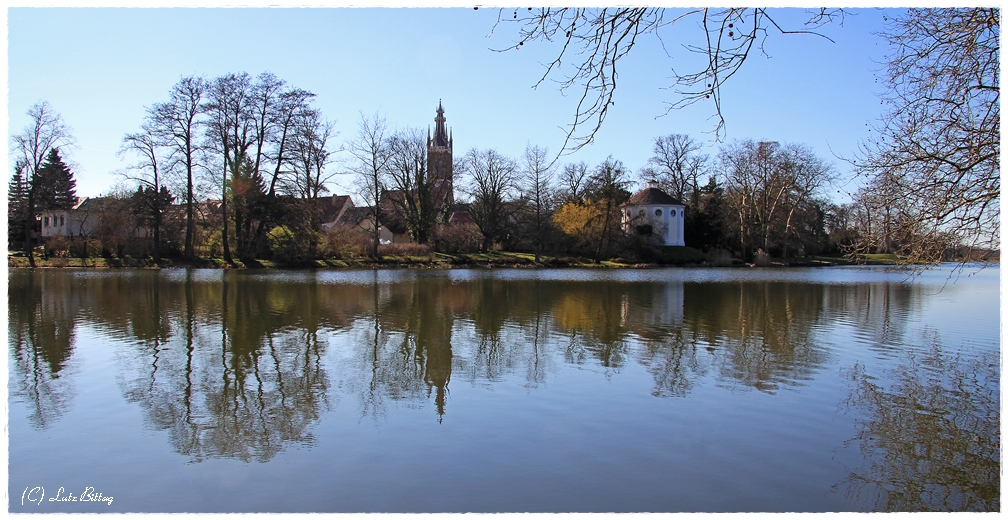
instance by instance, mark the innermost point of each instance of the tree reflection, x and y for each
(760, 335)
(879, 311)
(592, 314)
(931, 438)
(238, 364)
(403, 350)
(764, 333)
(676, 362)
(41, 333)
(245, 388)
(537, 360)
(386, 355)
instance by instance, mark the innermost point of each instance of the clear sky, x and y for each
(99, 68)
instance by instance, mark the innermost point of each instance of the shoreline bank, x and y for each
(432, 261)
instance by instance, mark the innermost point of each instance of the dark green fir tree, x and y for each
(17, 204)
(55, 186)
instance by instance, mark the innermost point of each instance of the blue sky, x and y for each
(99, 67)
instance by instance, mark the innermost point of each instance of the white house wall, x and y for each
(670, 221)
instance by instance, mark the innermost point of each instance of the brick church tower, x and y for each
(439, 162)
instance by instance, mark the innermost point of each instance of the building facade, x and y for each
(654, 213)
(83, 220)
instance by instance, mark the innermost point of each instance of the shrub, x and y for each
(344, 243)
(57, 247)
(404, 249)
(212, 242)
(459, 238)
(287, 246)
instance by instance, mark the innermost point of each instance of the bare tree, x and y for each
(370, 152)
(765, 185)
(229, 133)
(282, 117)
(593, 41)
(416, 195)
(876, 211)
(676, 165)
(45, 131)
(935, 160)
(537, 183)
(251, 125)
(152, 197)
(178, 124)
(263, 97)
(279, 115)
(311, 154)
(493, 178)
(573, 180)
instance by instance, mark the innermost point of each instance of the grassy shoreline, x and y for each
(684, 258)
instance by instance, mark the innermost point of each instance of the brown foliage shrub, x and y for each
(344, 243)
(404, 249)
(460, 238)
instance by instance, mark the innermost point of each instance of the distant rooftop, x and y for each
(653, 195)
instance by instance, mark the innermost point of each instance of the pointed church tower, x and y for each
(439, 162)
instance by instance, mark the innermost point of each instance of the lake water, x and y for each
(830, 389)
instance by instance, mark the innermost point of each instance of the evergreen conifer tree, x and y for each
(55, 186)
(17, 202)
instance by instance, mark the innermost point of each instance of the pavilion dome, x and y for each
(652, 195)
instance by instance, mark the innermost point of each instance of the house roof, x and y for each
(649, 196)
(459, 215)
(93, 203)
(353, 216)
(332, 207)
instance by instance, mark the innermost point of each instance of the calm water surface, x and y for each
(840, 389)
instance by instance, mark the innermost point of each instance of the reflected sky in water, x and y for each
(505, 390)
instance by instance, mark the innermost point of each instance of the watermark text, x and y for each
(37, 495)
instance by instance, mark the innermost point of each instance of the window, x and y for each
(46, 221)
(673, 213)
(657, 212)
(62, 221)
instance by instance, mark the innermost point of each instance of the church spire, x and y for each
(440, 134)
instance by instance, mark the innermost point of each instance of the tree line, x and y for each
(261, 147)
(257, 143)
(267, 153)
(248, 157)
(928, 172)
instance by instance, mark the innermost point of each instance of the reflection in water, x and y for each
(232, 363)
(404, 351)
(763, 331)
(931, 438)
(244, 386)
(40, 330)
(242, 364)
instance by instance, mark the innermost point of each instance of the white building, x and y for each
(82, 220)
(653, 212)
